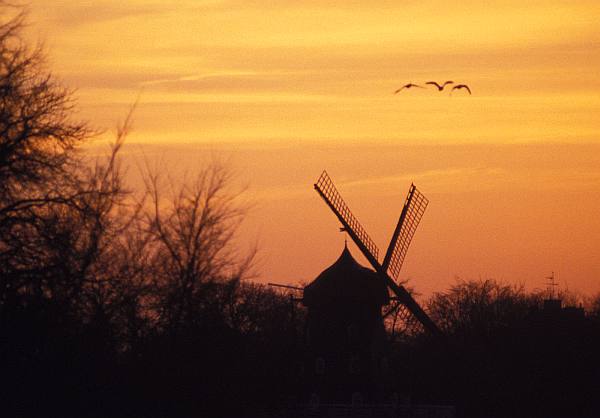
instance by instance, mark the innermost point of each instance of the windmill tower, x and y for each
(346, 335)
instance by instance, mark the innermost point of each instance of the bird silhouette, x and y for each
(461, 86)
(408, 86)
(440, 88)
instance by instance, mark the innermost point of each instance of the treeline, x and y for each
(507, 353)
(116, 302)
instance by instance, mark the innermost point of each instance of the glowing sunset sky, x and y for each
(288, 88)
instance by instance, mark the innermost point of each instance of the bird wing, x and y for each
(447, 82)
(407, 86)
(461, 86)
(434, 83)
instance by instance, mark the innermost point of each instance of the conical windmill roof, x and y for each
(346, 281)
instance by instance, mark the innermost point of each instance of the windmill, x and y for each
(404, 305)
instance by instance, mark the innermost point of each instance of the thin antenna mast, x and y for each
(550, 285)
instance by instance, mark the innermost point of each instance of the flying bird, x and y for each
(461, 86)
(408, 86)
(440, 88)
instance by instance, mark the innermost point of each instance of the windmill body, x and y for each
(345, 333)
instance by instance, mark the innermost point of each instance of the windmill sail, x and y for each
(412, 212)
(325, 187)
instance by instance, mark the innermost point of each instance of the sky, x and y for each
(284, 89)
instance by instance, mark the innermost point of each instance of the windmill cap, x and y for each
(346, 281)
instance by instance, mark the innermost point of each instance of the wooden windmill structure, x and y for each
(346, 350)
(389, 268)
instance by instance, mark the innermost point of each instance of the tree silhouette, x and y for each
(36, 127)
(191, 247)
(37, 151)
(479, 307)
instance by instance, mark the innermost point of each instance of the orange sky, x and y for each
(287, 88)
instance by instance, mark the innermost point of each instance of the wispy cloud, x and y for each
(81, 14)
(205, 76)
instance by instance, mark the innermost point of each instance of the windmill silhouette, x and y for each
(389, 269)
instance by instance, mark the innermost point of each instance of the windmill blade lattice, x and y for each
(332, 197)
(412, 212)
(400, 322)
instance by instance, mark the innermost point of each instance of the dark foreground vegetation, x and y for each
(135, 303)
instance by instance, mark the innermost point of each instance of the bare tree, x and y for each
(80, 252)
(63, 221)
(478, 307)
(37, 154)
(102, 254)
(594, 306)
(194, 259)
(37, 133)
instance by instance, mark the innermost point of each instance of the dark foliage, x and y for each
(505, 355)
